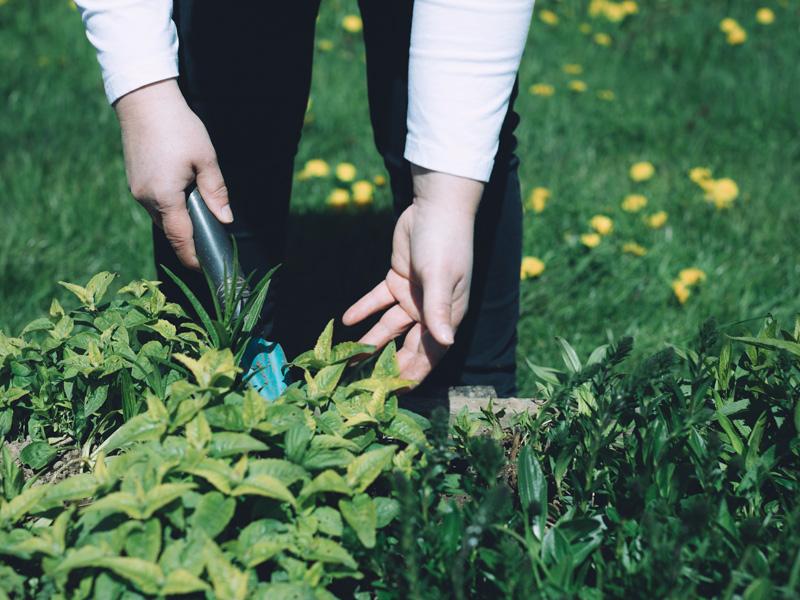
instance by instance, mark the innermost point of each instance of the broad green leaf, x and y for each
(366, 468)
(327, 481)
(360, 513)
(284, 471)
(320, 458)
(81, 292)
(62, 328)
(145, 575)
(145, 543)
(213, 513)
(287, 591)
(405, 429)
(198, 433)
(41, 324)
(181, 581)
(213, 366)
(229, 443)
(13, 510)
(37, 455)
(229, 582)
(141, 428)
(328, 551)
(165, 329)
(97, 286)
(161, 495)
(347, 350)
(296, 442)
(386, 366)
(329, 520)
(253, 408)
(386, 510)
(322, 349)
(264, 485)
(334, 441)
(76, 487)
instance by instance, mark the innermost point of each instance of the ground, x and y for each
(664, 85)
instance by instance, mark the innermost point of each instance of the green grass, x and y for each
(684, 98)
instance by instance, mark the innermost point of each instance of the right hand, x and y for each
(166, 148)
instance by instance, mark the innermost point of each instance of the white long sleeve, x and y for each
(464, 59)
(136, 42)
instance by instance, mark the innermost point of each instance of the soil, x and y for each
(67, 464)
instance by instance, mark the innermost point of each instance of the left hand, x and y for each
(426, 292)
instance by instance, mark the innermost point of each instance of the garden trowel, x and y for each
(263, 362)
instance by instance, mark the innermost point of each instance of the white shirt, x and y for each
(464, 57)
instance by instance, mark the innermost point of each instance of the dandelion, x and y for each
(362, 192)
(614, 11)
(630, 7)
(765, 16)
(590, 240)
(634, 203)
(345, 172)
(538, 199)
(691, 276)
(531, 267)
(602, 224)
(316, 167)
(727, 25)
(681, 291)
(634, 248)
(602, 39)
(642, 171)
(572, 69)
(379, 180)
(338, 198)
(737, 37)
(585, 28)
(549, 17)
(542, 89)
(606, 95)
(325, 45)
(656, 220)
(700, 175)
(352, 23)
(722, 192)
(576, 85)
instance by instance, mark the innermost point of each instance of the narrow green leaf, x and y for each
(197, 306)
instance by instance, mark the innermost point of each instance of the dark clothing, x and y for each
(247, 74)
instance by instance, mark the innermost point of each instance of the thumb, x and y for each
(213, 189)
(437, 299)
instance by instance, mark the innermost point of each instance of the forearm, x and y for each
(136, 42)
(463, 61)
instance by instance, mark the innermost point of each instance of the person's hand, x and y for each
(426, 292)
(166, 149)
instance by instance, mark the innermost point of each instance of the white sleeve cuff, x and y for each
(120, 81)
(431, 156)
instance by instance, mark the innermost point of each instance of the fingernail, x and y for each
(227, 214)
(447, 335)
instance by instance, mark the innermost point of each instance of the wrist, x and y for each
(445, 192)
(148, 99)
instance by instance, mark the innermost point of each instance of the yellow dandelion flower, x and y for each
(602, 224)
(630, 7)
(634, 203)
(338, 198)
(572, 69)
(352, 23)
(531, 267)
(691, 276)
(680, 290)
(316, 167)
(596, 7)
(379, 180)
(606, 95)
(642, 171)
(549, 17)
(538, 199)
(602, 39)
(634, 248)
(576, 85)
(362, 192)
(345, 172)
(325, 45)
(585, 28)
(736, 37)
(765, 16)
(727, 25)
(656, 220)
(590, 240)
(542, 89)
(700, 175)
(614, 11)
(722, 192)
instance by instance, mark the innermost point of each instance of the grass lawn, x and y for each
(662, 86)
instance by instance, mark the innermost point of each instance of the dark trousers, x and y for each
(246, 72)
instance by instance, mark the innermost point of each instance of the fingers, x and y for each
(392, 324)
(212, 187)
(437, 299)
(177, 228)
(379, 298)
(420, 354)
